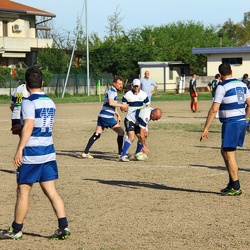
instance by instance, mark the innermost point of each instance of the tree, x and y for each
(52, 59)
(114, 28)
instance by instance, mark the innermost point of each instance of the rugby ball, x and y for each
(141, 156)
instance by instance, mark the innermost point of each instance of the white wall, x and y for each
(214, 60)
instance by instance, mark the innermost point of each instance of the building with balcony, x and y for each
(19, 29)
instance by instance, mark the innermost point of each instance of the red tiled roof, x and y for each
(10, 6)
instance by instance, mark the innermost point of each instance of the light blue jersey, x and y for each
(39, 148)
(146, 86)
(231, 94)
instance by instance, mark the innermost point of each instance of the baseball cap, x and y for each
(136, 82)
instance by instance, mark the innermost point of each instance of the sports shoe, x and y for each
(9, 234)
(226, 189)
(124, 158)
(60, 234)
(229, 191)
(88, 155)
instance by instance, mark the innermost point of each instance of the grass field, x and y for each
(171, 201)
(161, 96)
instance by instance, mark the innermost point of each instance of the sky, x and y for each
(139, 13)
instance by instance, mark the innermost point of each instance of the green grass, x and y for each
(81, 98)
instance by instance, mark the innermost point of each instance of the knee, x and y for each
(96, 136)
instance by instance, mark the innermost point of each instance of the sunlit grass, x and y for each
(81, 98)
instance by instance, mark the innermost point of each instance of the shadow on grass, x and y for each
(108, 156)
(218, 167)
(31, 234)
(8, 171)
(138, 184)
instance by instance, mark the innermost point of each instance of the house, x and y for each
(237, 57)
(19, 33)
(166, 74)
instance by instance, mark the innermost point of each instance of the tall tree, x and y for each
(114, 28)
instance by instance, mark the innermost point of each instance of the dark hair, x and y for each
(245, 76)
(118, 78)
(225, 69)
(34, 77)
(217, 76)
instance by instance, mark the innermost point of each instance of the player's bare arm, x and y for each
(211, 114)
(26, 133)
(142, 136)
(118, 116)
(11, 107)
(116, 104)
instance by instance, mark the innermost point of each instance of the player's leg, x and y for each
(191, 103)
(47, 183)
(195, 104)
(21, 209)
(91, 141)
(55, 199)
(233, 135)
(231, 165)
(139, 144)
(118, 129)
(128, 141)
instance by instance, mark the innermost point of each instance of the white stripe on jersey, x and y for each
(39, 159)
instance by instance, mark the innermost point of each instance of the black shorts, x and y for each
(15, 122)
(130, 126)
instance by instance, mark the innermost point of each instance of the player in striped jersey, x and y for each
(138, 121)
(106, 118)
(232, 99)
(35, 158)
(136, 99)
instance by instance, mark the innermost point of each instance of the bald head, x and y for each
(156, 114)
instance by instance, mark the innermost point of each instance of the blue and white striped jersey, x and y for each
(107, 110)
(135, 101)
(39, 148)
(140, 117)
(232, 94)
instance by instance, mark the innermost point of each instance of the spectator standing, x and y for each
(146, 85)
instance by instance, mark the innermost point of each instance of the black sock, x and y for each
(120, 143)
(92, 139)
(16, 227)
(62, 223)
(235, 185)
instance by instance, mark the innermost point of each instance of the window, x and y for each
(5, 28)
(232, 61)
(171, 73)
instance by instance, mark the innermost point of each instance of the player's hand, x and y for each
(145, 150)
(124, 110)
(204, 135)
(17, 162)
(16, 129)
